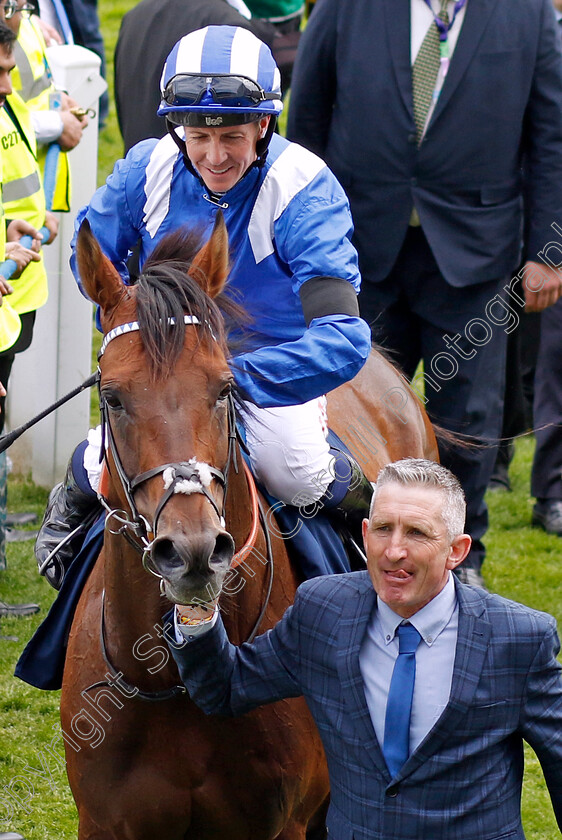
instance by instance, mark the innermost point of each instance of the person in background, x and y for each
(23, 201)
(10, 321)
(546, 474)
(51, 110)
(286, 15)
(74, 22)
(425, 111)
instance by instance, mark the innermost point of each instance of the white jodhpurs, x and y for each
(289, 452)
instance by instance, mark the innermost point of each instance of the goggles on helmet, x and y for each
(223, 89)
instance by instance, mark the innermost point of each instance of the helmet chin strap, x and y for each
(262, 146)
(171, 129)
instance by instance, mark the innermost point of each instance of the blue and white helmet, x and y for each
(219, 76)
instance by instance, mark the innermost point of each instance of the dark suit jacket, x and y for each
(351, 103)
(147, 34)
(463, 782)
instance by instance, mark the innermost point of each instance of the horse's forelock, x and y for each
(165, 291)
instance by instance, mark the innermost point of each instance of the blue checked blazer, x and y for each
(463, 782)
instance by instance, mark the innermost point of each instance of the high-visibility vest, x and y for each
(33, 80)
(10, 323)
(23, 197)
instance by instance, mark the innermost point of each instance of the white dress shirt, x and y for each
(184, 633)
(437, 624)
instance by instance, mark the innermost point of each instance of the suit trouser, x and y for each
(417, 315)
(546, 476)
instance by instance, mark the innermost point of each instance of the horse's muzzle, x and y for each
(189, 564)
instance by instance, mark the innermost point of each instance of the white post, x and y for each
(59, 358)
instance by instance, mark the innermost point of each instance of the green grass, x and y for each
(523, 563)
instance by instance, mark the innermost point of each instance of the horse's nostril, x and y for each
(165, 555)
(224, 550)
(197, 554)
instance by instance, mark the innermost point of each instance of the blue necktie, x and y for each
(396, 746)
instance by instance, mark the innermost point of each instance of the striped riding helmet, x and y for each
(220, 76)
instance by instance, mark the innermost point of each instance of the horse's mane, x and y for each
(165, 291)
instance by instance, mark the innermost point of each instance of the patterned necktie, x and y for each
(396, 746)
(424, 72)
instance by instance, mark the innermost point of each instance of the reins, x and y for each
(9, 438)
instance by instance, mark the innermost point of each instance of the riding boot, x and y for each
(356, 500)
(349, 498)
(71, 509)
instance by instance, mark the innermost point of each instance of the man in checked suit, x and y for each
(486, 676)
(433, 171)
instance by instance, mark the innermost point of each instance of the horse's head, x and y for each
(165, 394)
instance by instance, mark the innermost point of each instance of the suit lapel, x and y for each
(472, 645)
(355, 616)
(473, 27)
(397, 24)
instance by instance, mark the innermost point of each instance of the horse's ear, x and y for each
(100, 279)
(210, 265)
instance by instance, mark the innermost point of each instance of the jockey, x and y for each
(293, 267)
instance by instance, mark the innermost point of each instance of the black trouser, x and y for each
(521, 360)
(546, 476)
(8, 356)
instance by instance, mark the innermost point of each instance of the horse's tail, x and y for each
(447, 439)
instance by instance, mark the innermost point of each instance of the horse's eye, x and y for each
(225, 392)
(112, 401)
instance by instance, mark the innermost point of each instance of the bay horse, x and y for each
(143, 762)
